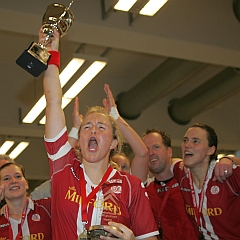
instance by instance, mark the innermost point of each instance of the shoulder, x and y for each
(44, 204)
(126, 179)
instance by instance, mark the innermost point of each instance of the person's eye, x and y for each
(19, 176)
(196, 141)
(185, 140)
(155, 147)
(5, 178)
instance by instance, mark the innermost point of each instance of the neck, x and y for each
(95, 171)
(199, 174)
(163, 176)
(16, 208)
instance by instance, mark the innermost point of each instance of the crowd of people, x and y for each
(97, 191)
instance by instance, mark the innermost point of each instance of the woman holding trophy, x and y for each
(90, 196)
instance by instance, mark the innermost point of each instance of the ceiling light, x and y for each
(65, 76)
(6, 146)
(124, 5)
(65, 102)
(152, 7)
(84, 79)
(81, 83)
(19, 149)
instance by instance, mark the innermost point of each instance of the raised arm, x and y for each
(77, 121)
(55, 119)
(139, 165)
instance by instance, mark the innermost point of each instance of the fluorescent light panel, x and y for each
(19, 149)
(152, 7)
(81, 83)
(149, 9)
(16, 151)
(6, 146)
(124, 5)
(65, 76)
(84, 79)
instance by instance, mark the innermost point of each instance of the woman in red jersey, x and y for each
(22, 218)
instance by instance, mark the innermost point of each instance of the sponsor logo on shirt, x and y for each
(4, 225)
(37, 236)
(185, 189)
(211, 212)
(109, 202)
(165, 188)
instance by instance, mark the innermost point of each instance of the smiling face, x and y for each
(96, 137)
(15, 184)
(159, 155)
(195, 148)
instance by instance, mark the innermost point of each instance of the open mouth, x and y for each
(188, 154)
(153, 159)
(92, 144)
(14, 188)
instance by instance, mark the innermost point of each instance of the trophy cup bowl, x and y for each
(35, 58)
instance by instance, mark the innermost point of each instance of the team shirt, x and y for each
(37, 224)
(122, 198)
(173, 219)
(220, 218)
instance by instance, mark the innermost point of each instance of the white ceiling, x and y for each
(204, 31)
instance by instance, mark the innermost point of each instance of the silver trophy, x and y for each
(35, 58)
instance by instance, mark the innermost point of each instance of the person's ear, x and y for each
(211, 150)
(114, 143)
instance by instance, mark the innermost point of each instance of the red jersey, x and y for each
(122, 198)
(37, 224)
(174, 221)
(220, 218)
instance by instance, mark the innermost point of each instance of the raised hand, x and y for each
(53, 44)
(108, 102)
(76, 116)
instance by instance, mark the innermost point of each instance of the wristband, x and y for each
(73, 133)
(227, 158)
(114, 113)
(55, 58)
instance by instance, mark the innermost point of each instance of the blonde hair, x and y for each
(117, 134)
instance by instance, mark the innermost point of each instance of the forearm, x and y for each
(133, 139)
(139, 165)
(55, 120)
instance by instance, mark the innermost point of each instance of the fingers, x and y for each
(52, 43)
(222, 171)
(76, 116)
(122, 232)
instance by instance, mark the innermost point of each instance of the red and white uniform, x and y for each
(220, 211)
(37, 224)
(174, 221)
(122, 198)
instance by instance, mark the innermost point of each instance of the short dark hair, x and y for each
(165, 137)
(211, 136)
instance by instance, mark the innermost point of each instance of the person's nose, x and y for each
(93, 130)
(13, 180)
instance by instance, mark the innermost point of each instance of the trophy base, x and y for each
(34, 59)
